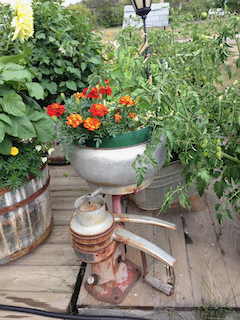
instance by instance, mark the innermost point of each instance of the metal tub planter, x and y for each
(152, 197)
(25, 217)
(109, 169)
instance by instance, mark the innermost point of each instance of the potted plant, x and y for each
(25, 130)
(103, 135)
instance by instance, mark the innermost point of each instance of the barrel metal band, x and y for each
(26, 201)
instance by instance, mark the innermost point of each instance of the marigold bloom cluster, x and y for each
(23, 21)
(125, 100)
(106, 81)
(74, 120)
(132, 115)
(79, 95)
(92, 123)
(117, 117)
(14, 151)
(98, 109)
(55, 109)
(93, 93)
(107, 90)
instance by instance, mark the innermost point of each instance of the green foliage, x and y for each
(20, 116)
(64, 50)
(200, 120)
(109, 13)
(15, 171)
(82, 10)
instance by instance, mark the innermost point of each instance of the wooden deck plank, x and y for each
(208, 272)
(228, 238)
(174, 243)
(50, 255)
(38, 278)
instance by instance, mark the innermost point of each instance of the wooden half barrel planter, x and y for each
(25, 217)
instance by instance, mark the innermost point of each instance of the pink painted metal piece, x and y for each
(116, 203)
(113, 278)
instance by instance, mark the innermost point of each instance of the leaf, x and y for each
(13, 104)
(35, 115)
(201, 185)
(230, 173)
(74, 71)
(13, 59)
(40, 35)
(228, 214)
(51, 87)
(35, 90)
(15, 75)
(71, 85)
(95, 60)
(5, 118)
(83, 66)
(117, 73)
(21, 128)
(58, 70)
(6, 146)
(219, 187)
(45, 129)
(2, 131)
(204, 174)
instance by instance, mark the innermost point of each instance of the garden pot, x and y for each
(25, 217)
(110, 170)
(152, 197)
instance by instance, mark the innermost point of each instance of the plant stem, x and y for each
(9, 39)
(235, 159)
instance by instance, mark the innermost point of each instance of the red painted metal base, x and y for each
(113, 278)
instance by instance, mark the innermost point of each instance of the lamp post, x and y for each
(142, 8)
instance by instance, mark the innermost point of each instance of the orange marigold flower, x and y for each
(93, 93)
(79, 95)
(126, 101)
(117, 117)
(107, 90)
(92, 123)
(55, 109)
(74, 120)
(132, 114)
(98, 109)
(106, 81)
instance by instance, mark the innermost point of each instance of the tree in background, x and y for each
(109, 13)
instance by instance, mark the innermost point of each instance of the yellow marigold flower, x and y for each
(14, 151)
(74, 120)
(23, 21)
(92, 123)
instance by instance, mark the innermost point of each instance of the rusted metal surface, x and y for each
(144, 262)
(97, 240)
(144, 245)
(24, 228)
(113, 278)
(144, 220)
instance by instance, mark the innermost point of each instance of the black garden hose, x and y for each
(62, 315)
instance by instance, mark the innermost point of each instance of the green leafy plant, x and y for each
(186, 97)
(23, 123)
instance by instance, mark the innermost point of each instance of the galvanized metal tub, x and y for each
(110, 169)
(25, 217)
(152, 197)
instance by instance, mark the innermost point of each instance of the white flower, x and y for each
(23, 21)
(38, 147)
(50, 151)
(44, 159)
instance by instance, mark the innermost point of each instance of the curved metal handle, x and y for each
(127, 237)
(143, 219)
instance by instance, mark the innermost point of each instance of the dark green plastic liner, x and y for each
(125, 139)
